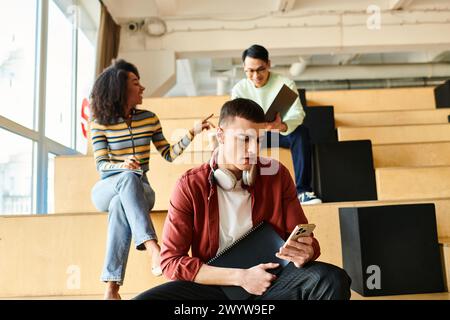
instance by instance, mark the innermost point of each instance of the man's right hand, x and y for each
(276, 124)
(256, 280)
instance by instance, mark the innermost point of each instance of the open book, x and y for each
(105, 173)
(282, 102)
(258, 245)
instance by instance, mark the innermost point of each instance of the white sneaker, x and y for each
(307, 198)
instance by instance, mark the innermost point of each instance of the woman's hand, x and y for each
(200, 126)
(131, 163)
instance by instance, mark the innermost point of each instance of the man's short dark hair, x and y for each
(257, 52)
(243, 108)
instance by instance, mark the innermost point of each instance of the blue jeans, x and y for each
(128, 198)
(300, 144)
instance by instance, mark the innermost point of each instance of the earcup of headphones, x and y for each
(225, 179)
(245, 178)
(248, 176)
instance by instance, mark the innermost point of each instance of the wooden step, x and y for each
(64, 244)
(124, 296)
(413, 183)
(354, 296)
(174, 129)
(343, 101)
(66, 253)
(397, 134)
(411, 154)
(424, 296)
(76, 175)
(374, 99)
(446, 260)
(391, 118)
(385, 155)
(184, 107)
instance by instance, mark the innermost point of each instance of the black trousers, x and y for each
(314, 281)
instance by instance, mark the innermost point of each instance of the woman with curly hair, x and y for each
(121, 136)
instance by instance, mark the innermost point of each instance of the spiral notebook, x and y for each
(258, 245)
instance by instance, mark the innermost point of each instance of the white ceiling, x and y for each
(122, 10)
(200, 75)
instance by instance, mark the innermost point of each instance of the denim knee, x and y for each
(129, 176)
(114, 203)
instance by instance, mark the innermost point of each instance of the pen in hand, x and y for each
(132, 163)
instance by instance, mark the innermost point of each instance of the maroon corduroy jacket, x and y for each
(192, 222)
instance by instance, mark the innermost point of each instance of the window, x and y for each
(87, 37)
(17, 60)
(51, 183)
(16, 174)
(58, 110)
(68, 49)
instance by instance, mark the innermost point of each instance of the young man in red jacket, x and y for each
(215, 204)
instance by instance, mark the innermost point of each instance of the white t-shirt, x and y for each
(235, 214)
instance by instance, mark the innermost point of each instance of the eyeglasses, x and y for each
(257, 71)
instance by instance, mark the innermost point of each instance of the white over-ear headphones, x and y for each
(226, 179)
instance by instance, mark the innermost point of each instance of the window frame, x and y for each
(45, 145)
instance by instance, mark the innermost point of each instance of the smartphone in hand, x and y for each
(301, 230)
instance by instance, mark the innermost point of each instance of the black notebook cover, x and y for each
(259, 245)
(282, 102)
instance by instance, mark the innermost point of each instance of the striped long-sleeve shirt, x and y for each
(112, 144)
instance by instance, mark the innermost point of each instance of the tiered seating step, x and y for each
(65, 244)
(391, 118)
(397, 134)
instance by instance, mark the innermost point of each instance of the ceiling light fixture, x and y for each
(155, 27)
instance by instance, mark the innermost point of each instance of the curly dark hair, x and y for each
(108, 96)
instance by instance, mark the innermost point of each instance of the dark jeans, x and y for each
(300, 144)
(314, 281)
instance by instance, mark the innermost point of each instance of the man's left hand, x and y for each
(276, 124)
(298, 251)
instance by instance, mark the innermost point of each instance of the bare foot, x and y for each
(112, 291)
(112, 296)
